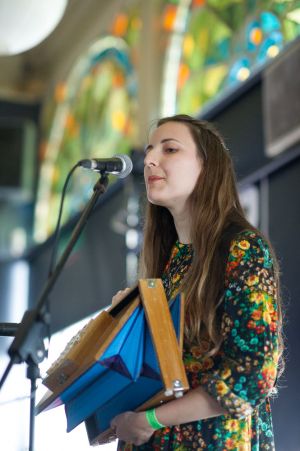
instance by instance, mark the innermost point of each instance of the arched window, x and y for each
(94, 116)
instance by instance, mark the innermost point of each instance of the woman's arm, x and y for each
(247, 362)
(196, 404)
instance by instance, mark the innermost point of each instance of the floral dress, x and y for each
(242, 375)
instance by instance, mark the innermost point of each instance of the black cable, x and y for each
(57, 228)
(56, 241)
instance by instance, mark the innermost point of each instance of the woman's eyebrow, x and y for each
(150, 146)
(169, 139)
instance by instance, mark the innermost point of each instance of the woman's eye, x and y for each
(170, 149)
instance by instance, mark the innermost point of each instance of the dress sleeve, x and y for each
(244, 371)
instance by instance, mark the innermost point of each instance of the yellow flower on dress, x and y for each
(244, 446)
(252, 280)
(267, 317)
(236, 252)
(257, 296)
(226, 373)
(244, 244)
(222, 388)
(232, 425)
(270, 307)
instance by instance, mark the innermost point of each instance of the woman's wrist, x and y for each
(152, 420)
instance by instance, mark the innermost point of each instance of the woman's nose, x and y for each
(151, 159)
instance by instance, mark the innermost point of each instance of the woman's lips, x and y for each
(154, 178)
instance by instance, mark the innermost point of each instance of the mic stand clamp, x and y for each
(28, 344)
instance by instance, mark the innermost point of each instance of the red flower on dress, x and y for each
(260, 329)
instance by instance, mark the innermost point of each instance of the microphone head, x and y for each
(127, 165)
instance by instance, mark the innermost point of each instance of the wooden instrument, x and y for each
(127, 358)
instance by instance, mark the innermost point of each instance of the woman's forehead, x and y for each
(171, 131)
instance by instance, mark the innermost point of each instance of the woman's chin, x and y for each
(157, 201)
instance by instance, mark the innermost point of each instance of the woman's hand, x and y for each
(119, 296)
(132, 427)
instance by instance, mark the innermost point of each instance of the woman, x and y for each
(199, 242)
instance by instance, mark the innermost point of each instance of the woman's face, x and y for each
(172, 166)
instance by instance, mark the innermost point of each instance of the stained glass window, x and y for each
(222, 44)
(92, 115)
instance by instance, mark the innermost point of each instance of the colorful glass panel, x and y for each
(224, 42)
(92, 115)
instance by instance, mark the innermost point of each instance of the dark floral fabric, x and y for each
(177, 266)
(243, 373)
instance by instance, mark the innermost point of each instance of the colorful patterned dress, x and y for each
(241, 376)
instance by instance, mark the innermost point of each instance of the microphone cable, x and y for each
(55, 243)
(57, 228)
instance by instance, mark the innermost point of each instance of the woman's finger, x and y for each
(120, 295)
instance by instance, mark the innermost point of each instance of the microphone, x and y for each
(119, 165)
(8, 329)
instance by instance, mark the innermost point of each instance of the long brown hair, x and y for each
(217, 216)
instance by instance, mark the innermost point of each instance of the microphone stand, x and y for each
(28, 344)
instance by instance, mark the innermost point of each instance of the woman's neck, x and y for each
(182, 226)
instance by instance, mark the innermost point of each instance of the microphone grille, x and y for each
(127, 165)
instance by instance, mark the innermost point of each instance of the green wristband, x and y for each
(152, 419)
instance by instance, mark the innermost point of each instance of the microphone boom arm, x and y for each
(27, 344)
